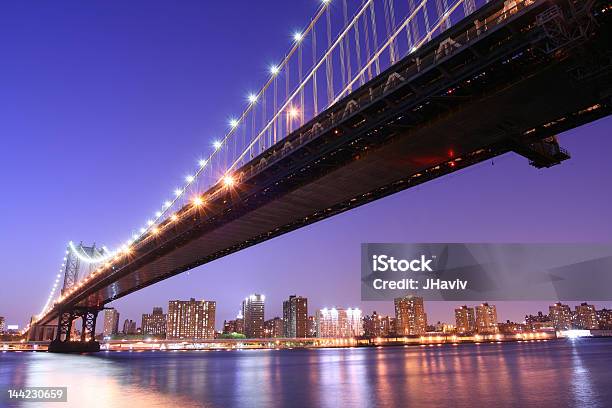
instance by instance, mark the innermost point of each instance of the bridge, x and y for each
(371, 99)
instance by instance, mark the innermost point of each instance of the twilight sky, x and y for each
(104, 107)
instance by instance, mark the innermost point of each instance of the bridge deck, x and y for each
(399, 131)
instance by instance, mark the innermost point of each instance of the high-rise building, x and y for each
(486, 319)
(191, 319)
(561, 316)
(604, 319)
(273, 328)
(2, 325)
(377, 325)
(312, 326)
(339, 322)
(410, 316)
(295, 316)
(111, 322)
(154, 323)
(253, 313)
(586, 317)
(465, 320)
(129, 327)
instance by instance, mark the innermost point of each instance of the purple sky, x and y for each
(105, 107)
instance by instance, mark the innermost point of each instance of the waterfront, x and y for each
(554, 373)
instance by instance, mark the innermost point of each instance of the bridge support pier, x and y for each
(63, 343)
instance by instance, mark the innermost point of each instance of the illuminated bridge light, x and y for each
(297, 36)
(228, 181)
(274, 70)
(189, 178)
(217, 144)
(293, 112)
(202, 162)
(252, 98)
(174, 217)
(197, 201)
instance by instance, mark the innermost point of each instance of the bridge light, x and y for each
(202, 162)
(217, 144)
(174, 217)
(142, 230)
(155, 231)
(325, 1)
(233, 123)
(178, 192)
(189, 178)
(167, 204)
(197, 201)
(158, 214)
(293, 112)
(297, 36)
(150, 222)
(228, 181)
(274, 70)
(252, 98)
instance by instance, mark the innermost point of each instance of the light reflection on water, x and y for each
(555, 373)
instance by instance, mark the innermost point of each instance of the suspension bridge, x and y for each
(373, 97)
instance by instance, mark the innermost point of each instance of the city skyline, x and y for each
(89, 103)
(465, 318)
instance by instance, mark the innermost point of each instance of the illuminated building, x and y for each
(253, 313)
(111, 322)
(295, 317)
(561, 316)
(339, 322)
(604, 319)
(511, 327)
(377, 325)
(410, 316)
(465, 320)
(538, 322)
(585, 317)
(234, 326)
(154, 323)
(273, 328)
(486, 319)
(2, 325)
(191, 319)
(312, 326)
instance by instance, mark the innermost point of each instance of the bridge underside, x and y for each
(503, 93)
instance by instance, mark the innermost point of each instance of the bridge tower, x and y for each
(64, 341)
